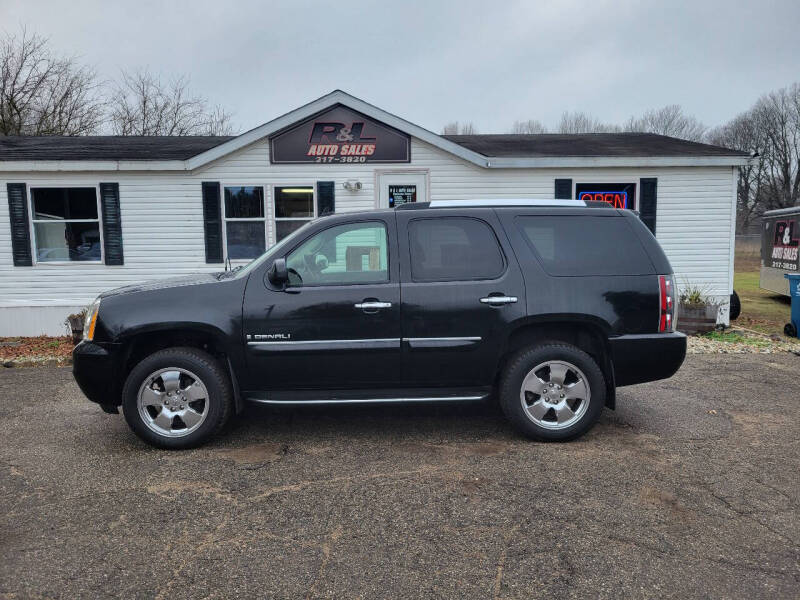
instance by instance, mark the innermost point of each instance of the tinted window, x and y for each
(244, 202)
(342, 255)
(294, 202)
(245, 239)
(453, 248)
(65, 224)
(67, 241)
(245, 230)
(294, 207)
(583, 245)
(57, 204)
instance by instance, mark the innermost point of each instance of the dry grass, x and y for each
(26, 348)
(762, 311)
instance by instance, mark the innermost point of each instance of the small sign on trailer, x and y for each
(780, 243)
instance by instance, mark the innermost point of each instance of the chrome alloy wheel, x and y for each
(555, 394)
(173, 402)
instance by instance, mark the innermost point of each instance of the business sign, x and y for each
(782, 241)
(402, 194)
(618, 195)
(340, 136)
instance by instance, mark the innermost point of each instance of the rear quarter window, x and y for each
(574, 246)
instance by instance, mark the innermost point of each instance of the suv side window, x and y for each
(585, 246)
(453, 249)
(346, 254)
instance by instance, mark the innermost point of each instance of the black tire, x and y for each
(790, 330)
(736, 306)
(213, 377)
(518, 368)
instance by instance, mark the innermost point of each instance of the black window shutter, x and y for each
(20, 229)
(326, 197)
(563, 189)
(648, 201)
(112, 223)
(212, 221)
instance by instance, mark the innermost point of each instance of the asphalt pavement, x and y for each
(689, 489)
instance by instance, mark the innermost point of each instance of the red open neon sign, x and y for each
(615, 199)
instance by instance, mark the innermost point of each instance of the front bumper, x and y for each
(647, 357)
(96, 370)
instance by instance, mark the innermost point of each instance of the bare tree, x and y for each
(772, 130)
(580, 122)
(531, 126)
(777, 116)
(141, 104)
(44, 94)
(669, 120)
(742, 133)
(456, 128)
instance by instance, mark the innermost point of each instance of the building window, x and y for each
(66, 227)
(245, 229)
(294, 207)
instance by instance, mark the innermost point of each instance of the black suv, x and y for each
(548, 305)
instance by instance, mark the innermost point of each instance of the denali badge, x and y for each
(269, 336)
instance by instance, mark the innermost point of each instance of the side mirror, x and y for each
(278, 274)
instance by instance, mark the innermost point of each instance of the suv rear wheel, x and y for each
(177, 398)
(552, 392)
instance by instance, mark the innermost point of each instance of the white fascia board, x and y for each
(615, 161)
(335, 97)
(21, 166)
(44, 303)
(549, 162)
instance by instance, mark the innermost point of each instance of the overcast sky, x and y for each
(431, 62)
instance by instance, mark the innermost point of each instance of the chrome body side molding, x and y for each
(370, 343)
(421, 343)
(323, 345)
(368, 400)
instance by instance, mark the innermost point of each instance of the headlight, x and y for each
(91, 320)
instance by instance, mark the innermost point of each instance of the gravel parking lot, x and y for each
(689, 489)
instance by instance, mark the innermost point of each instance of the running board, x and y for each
(310, 398)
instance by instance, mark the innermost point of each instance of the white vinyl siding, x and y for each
(162, 217)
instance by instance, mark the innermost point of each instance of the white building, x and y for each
(86, 214)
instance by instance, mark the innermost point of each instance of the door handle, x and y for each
(373, 305)
(498, 300)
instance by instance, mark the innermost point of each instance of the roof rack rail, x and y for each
(502, 202)
(490, 202)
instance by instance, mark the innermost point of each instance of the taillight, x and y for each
(666, 320)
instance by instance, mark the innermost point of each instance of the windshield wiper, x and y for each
(228, 274)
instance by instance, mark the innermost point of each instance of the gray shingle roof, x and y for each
(106, 147)
(586, 144)
(497, 145)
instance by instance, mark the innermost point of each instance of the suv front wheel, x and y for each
(177, 398)
(552, 392)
